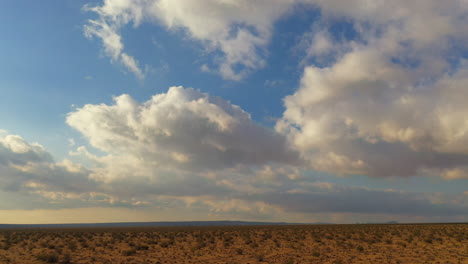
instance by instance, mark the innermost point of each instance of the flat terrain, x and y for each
(435, 243)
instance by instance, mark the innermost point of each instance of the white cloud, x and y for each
(25, 165)
(241, 29)
(205, 68)
(112, 42)
(15, 150)
(132, 65)
(236, 28)
(321, 44)
(182, 129)
(456, 173)
(392, 103)
(187, 147)
(71, 142)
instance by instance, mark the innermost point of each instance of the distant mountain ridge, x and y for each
(150, 224)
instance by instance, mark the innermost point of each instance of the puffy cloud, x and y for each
(177, 145)
(391, 105)
(28, 166)
(239, 29)
(182, 129)
(14, 150)
(186, 148)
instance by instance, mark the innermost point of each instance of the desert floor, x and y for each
(396, 243)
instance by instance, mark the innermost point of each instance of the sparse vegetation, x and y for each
(48, 256)
(128, 252)
(328, 244)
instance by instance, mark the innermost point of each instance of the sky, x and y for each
(259, 110)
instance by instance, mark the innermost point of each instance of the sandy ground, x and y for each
(336, 244)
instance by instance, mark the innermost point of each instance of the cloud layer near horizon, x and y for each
(262, 193)
(185, 149)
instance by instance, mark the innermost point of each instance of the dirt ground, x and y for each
(336, 244)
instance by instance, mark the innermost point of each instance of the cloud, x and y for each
(237, 30)
(320, 46)
(456, 173)
(390, 104)
(182, 129)
(186, 148)
(261, 192)
(361, 201)
(28, 166)
(14, 150)
(305, 197)
(112, 42)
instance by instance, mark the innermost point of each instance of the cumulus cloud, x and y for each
(238, 29)
(182, 129)
(186, 147)
(28, 166)
(14, 150)
(392, 104)
(177, 146)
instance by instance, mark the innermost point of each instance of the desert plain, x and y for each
(327, 244)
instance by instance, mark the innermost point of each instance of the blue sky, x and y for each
(301, 110)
